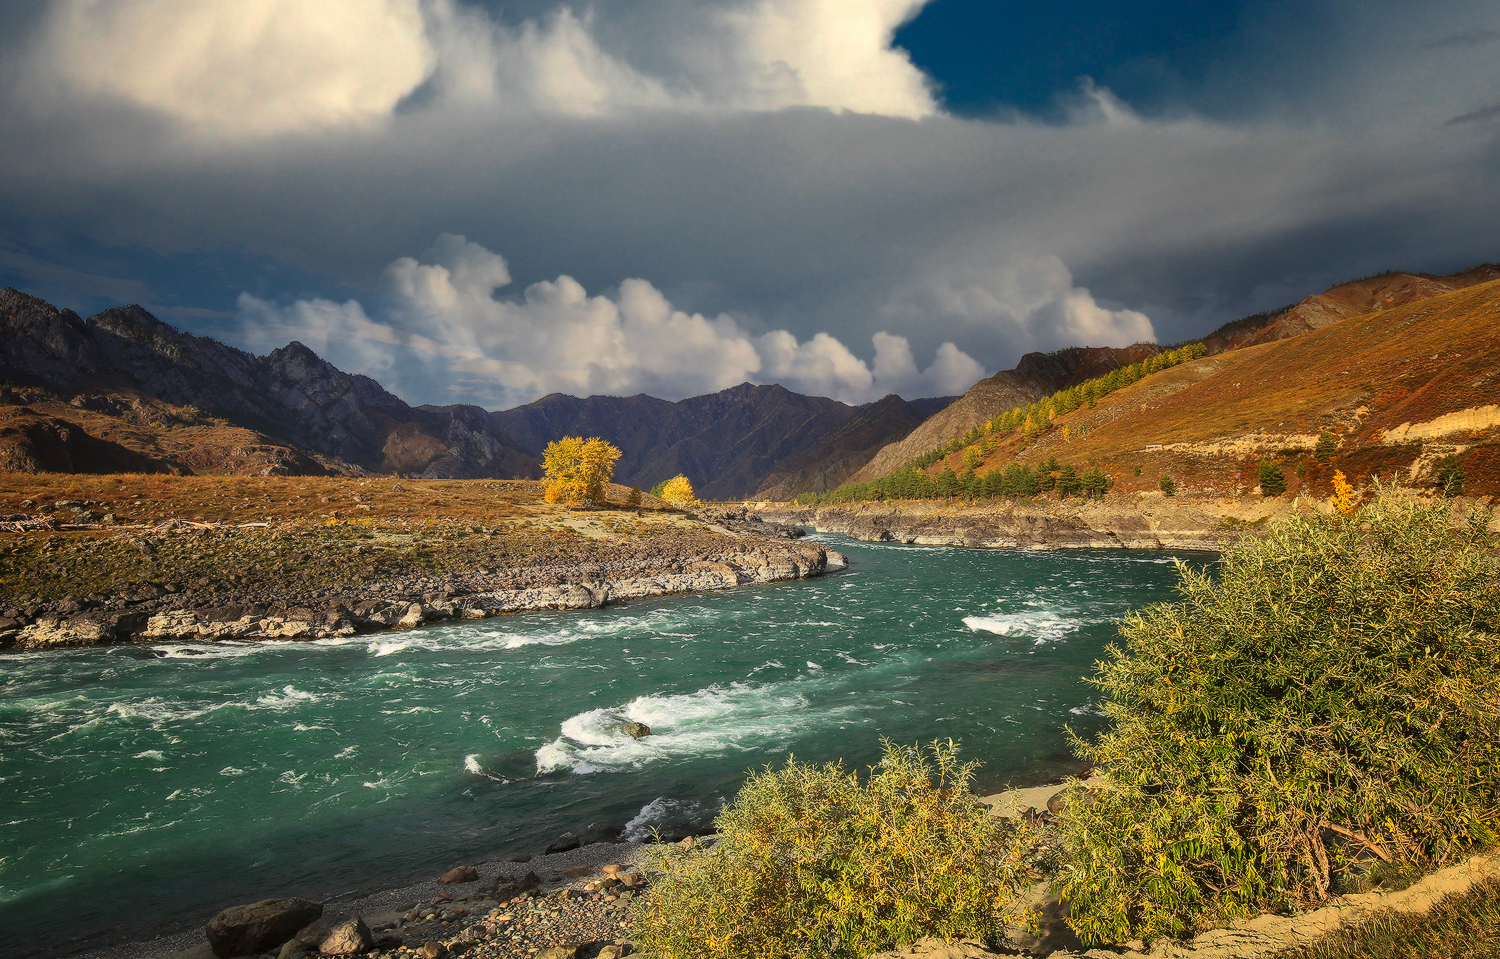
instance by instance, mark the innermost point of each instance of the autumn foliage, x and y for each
(578, 470)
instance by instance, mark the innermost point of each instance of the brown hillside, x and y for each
(126, 431)
(1400, 388)
(1353, 298)
(1037, 375)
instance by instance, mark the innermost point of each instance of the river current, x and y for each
(143, 788)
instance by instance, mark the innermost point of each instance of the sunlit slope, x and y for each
(1399, 389)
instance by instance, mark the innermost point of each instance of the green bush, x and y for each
(1272, 479)
(1326, 447)
(1168, 485)
(811, 862)
(1450, 476)
(1329, 701)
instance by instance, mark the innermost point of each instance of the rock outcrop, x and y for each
(259, 926)
(1155, 523)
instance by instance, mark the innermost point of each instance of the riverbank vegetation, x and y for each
(1320, 711)
(1014, 482)
(812, 861)
(1326, 703)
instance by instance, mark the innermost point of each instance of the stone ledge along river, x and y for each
(145, 787)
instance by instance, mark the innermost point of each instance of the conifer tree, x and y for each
(1326, 447)
(1272, 479)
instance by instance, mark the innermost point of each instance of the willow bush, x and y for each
(812, 862)
(1332, 700)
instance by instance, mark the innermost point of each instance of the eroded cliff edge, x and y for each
(1147, 522)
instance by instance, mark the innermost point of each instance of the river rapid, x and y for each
(145, 787)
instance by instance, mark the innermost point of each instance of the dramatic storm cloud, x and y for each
(673, 197)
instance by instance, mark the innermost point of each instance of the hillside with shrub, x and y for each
(1406, 393)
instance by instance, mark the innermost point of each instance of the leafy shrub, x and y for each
(811, 862)
(1450, 476)
(1330, 699)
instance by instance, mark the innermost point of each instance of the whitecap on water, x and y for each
(709, 722)
(288, 697)
(1043, 626)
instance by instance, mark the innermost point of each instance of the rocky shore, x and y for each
(1148, 521)
(576, 904)
(72, 574)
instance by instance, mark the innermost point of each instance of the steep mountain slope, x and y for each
(727, 443)
(1037, 375)
(1342, 300)
(1399, 389)
(284, 404)
(848, 448)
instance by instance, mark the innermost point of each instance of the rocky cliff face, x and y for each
(1149, 523)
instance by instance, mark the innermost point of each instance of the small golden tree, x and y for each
(1343, 494)
(679, 492)
(578, 469)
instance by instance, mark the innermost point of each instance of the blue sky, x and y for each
(487, 202)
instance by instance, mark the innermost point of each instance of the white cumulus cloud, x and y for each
(1027, 300)
(447, 337)
(240, 69)
(251, 69)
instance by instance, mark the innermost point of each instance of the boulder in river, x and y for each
(564, 842)
(635, 730)
(247, 930)
(349, 938)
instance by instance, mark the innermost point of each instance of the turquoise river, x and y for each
(143, 788)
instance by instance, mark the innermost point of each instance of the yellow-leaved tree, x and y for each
(678, 491)
(578, 469)
(1343, 494)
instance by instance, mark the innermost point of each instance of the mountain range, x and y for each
(124, 391)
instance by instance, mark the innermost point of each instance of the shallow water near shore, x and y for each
(144, 788)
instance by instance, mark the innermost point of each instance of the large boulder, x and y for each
(349, 938)
(247, 930)
(459, 874)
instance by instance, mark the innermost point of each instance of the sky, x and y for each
(487, 202)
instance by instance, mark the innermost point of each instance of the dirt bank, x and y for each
(1146, 521)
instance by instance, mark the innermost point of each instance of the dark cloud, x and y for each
(998, 236)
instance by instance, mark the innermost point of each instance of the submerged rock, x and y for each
(636, 730)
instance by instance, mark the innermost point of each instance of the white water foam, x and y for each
(474, 765)
(289, 697)
(659, 812)
(1042, 627)
(709, 722)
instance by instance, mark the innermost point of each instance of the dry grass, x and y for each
(1356, 378)
(307, 536)
(1459, 926)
